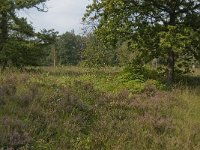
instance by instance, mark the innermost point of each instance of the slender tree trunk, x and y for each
(54, 55)
(54, 59)
(170, 67)
(171, 55)
(4, 66)
(3, 37)
(4, 29)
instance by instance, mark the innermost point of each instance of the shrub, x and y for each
(13, 134)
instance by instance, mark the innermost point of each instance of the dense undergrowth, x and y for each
(76, 108)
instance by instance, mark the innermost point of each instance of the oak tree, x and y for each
(169, 29)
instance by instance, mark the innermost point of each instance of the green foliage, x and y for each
(19, 44)
(141, 76)
(69, 47)
(96, 53)
(65, 108)
(159, 28)
(125, 55)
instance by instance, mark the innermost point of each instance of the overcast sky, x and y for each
(62, 15)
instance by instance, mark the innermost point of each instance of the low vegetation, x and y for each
(85, 108)
(143, 92)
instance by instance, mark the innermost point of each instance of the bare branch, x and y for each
(43, 9)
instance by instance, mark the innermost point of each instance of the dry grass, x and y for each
(61, 111)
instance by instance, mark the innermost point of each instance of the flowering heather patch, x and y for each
(65, 112)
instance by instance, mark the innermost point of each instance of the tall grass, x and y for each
(77, 108)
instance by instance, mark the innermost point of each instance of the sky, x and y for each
(62, 15)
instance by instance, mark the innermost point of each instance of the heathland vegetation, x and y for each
(131, 83)
(84, 108)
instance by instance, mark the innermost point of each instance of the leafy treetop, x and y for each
(158, 28)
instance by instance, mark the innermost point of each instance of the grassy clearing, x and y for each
(85, 108)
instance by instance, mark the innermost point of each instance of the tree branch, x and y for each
(43, 9)
(185, 10)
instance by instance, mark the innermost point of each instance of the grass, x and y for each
(88, 108)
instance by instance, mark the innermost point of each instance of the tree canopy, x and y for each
(157, 28)
(96, 53)
(69, 47)
(19, 43)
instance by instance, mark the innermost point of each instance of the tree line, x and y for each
(123, 32)
(21, 46)
(85, 50)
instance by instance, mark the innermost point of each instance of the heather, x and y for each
(88, 108)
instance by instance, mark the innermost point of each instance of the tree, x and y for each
(19, 44)
(158, 28)
(124, 53)
(49, 37)
(69, 47)
(96, 53)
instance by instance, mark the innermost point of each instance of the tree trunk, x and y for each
(171, 57)
(170, 68)
(3, 37)
(54, 55)
(4, 66)
(4, 29)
